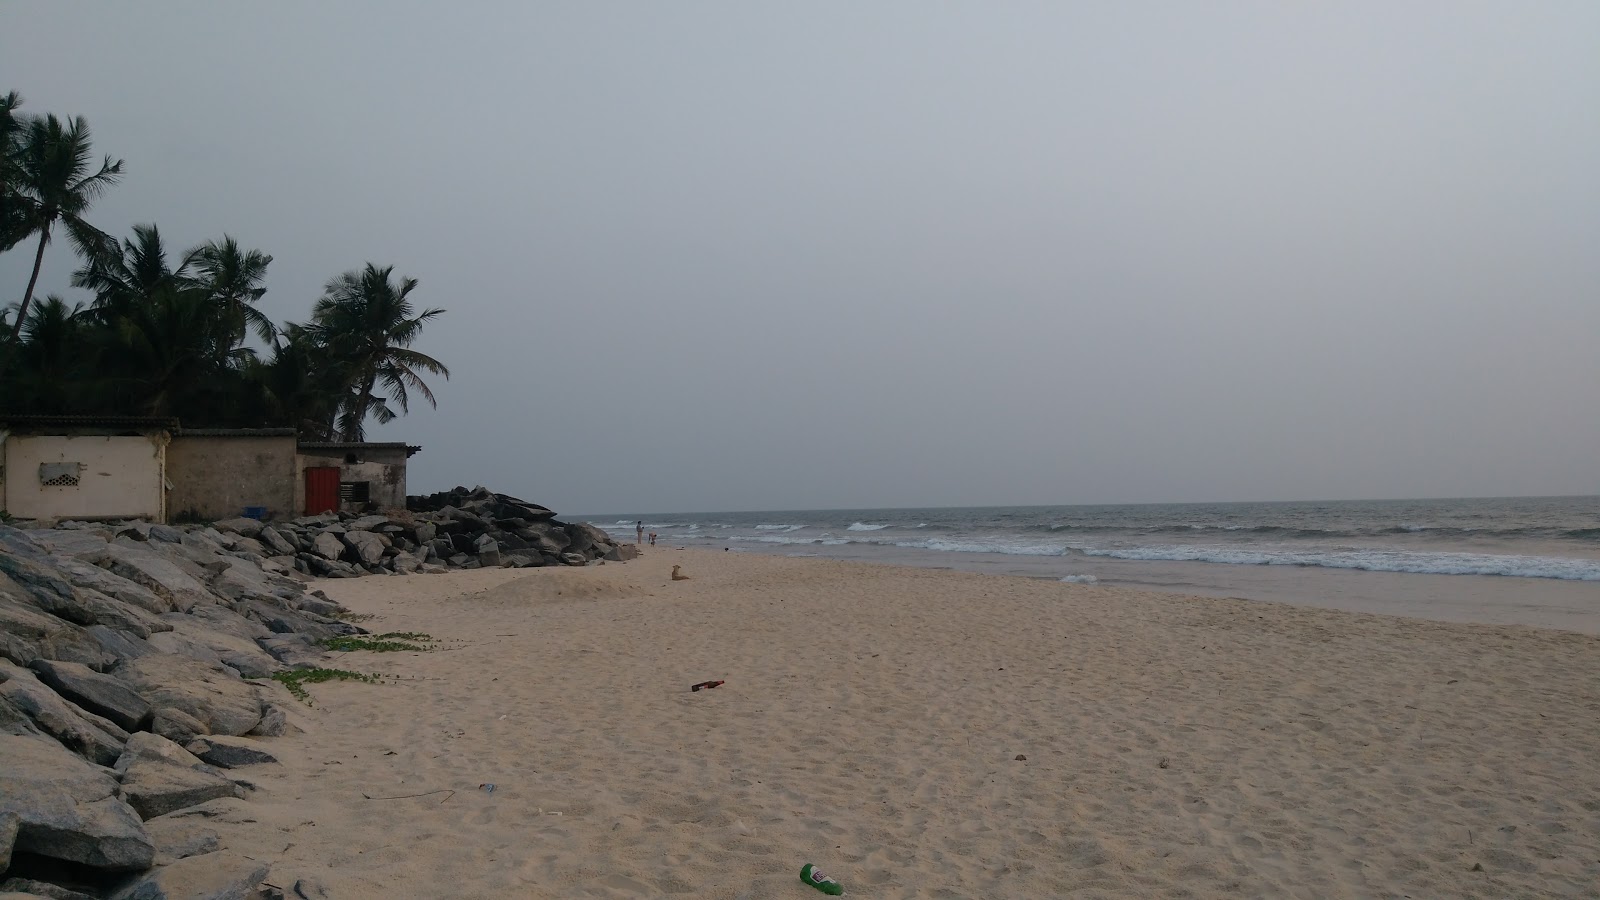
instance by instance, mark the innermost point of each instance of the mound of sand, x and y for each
(545, 585)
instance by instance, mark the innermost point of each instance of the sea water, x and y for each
(1525, 560)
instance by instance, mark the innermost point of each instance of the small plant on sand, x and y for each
(296, 680)
(358, 617)
(388, 642)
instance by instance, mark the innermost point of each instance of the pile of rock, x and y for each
(124, 653)
(461, 528)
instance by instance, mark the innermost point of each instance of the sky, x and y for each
(711, 256)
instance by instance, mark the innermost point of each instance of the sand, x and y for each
(873, 720)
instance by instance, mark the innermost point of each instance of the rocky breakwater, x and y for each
(126, 706)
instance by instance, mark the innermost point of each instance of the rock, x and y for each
(156, 780)
(165, 533)
(83, 575)
(584, 536)
(424, 532)
(95, 739)
(245, 526)
(223, 875)
(118, 645)
(327, 546)
(66, 808)
(274, 723)
(405, 563)
(181, 590)
(26, 887)
(293, 650)
(308, 889)
(365, 547)
(28, 633)
(229, 752)
(207, 691)
(181, 838)
(102, 695)
(276, 542)
(176, 725)
(322, 607)
(574, 559)
(88, 546)
(488, 552)
(367, 523)
(622, 552)
(10, 822)
(522, 560)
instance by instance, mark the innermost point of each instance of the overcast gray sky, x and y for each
(715, 256)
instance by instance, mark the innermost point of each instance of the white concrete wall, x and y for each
(122, 477)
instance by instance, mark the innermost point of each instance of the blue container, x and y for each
(255, 512)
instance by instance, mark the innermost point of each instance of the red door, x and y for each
(322, 490)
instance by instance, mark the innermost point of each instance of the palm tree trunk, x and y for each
(38, 260)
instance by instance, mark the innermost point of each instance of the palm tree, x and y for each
(50, 357)
(234, 276)
(125, 275)
(365, 322)
(55, 178)
(13, 208)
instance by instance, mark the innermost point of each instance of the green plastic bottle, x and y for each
(813, 876)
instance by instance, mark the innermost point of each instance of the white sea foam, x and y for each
(779, 527)
(1371, 560)
(1081, 579)
(862, 526)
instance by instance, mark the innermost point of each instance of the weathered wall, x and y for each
(217, 477)
(121, 477)
(384, 470)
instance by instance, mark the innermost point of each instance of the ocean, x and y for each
(1513, 560)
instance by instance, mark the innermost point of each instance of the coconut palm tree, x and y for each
(234, 278)
(13, 208)
(122, 276)
(365, 322)
(57, 181)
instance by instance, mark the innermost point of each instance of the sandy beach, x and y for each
(923, 733)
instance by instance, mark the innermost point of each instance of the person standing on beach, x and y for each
(638, 529)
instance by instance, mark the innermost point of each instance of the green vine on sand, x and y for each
(296, 680)
(388, 642)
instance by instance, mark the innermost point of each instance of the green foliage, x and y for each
(296, 680)
(390, 642)
(164, 333)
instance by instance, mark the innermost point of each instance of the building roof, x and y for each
(93, 423)
(238, 432)
(410, 449)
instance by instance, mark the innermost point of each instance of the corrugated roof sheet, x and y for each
(123, 423)
(411, 449)
(238, 432)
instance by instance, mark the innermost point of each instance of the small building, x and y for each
(219, 473)
(84, 467)
(352, 476)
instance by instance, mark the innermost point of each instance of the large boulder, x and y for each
(365, 547)
(84, 733)
(67, 809)
(327, 545)
(585, 537)
(223, 875)
(10, 824)
(276, 542)
(84, 575)
(622, 552)
(209, 692)
(119, 645)
(28, 889)
(181, 838)
(229, 752)
(243, 526)
(162, 576)
(159, 777)
(100, 694)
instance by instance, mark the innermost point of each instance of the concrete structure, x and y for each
(216, 473)
(84, 467)
(370, 475)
